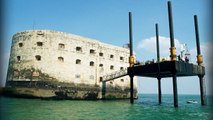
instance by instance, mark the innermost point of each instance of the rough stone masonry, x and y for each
(65, 66)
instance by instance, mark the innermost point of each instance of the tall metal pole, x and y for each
(172, 53)
(157, 43)
(159, 90)
(172, 44)
(131, 89)
(197, 35)
(175, 92)
(202, 90)
(130, 33)
(200, 62)
(158, 60)
(131, 58)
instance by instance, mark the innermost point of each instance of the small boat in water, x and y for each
(192, 102)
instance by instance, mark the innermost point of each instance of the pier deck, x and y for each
(167, 69)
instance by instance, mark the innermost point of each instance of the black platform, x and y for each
(167, 69)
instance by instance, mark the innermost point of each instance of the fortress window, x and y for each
(91, 63)
(100, 65)
(18, 58)
(92, 51)
(122, 80)
(121, 58)
(100, 79)
(111, 82)
(61, 46)
(39, 44)
(101, 54)
(91, 77)
(78, 61)
(111, 67)
(60, 59)
(121, 68)
(77, 76)
(79, 49)
(38, 57)
(111, 56)
(20, 44)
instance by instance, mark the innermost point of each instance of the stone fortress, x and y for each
(46, 63)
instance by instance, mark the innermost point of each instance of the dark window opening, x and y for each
(111, 67)
(91, 63)
(122, 80)
(101, 54)
(39, 43)
(111, 82)
(18, 58)
(60, 59)
(121, 58)
(20, 44)
(100, 79)
(78, 61)
(61, 46)
(38, 57)
(101, 65)
(92, 51)
(121, 68)
(111, 56)
(79, 49)
(77, 76)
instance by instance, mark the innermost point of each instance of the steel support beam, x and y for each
(159, 90)
(202, 90)
(131, 90)
(175, 92)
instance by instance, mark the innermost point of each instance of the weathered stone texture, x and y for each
(45, 55)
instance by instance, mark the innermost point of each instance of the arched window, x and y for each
(38, 57)
(78, 61)
(18, 58)
(92, 51)
(101, 65)
(121, 58)
(91, 63)
(61, 46)
(60, 59)
(39, 44)
(111, 56)
(20, 44)
(111, 67)
(78, 49)
(101, 54)
(100, 79)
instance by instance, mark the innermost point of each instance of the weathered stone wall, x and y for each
(55, 56)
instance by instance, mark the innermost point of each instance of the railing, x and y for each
(114, 75)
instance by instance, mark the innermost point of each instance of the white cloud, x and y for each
(149, 45)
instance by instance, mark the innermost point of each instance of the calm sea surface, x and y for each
(145, 108)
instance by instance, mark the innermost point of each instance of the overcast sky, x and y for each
(107, 21)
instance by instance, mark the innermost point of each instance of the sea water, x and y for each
(146, 107)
